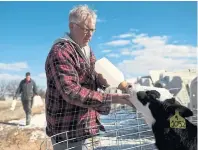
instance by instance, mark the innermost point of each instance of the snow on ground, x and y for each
(37, 121)
(114, 143)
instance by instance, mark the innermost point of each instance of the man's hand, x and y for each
(102, 80)
(121, 99)
(124, 86)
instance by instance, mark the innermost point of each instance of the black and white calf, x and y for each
(157, 114)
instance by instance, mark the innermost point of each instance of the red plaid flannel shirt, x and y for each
(72, 103)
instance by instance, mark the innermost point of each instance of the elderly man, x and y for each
(27, 88)
(73, 103)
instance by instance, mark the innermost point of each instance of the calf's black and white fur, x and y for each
(157, 115)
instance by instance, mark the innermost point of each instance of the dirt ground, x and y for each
(14, 137)
(18, 139)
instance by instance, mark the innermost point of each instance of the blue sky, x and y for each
(135, 36)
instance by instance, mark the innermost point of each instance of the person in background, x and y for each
(28, 89)
(73, 104)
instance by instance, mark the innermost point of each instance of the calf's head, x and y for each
(154, 110)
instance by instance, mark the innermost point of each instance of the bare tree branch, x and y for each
(3, 89)
(41, 92)
(12, 87)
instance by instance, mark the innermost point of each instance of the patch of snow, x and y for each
(37, 121)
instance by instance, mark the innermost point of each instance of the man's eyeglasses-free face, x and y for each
(85, 30)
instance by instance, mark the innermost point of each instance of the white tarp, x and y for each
(37, 101)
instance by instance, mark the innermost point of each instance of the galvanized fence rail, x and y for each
(126, 129)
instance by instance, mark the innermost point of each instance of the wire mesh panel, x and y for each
(125, 130)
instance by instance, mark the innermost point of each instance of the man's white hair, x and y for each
(80, 13)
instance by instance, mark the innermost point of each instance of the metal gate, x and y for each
(125, 130)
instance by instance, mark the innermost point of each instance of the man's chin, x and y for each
(85, 44)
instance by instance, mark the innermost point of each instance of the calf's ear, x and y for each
(183, 111)
(153, 94)
(141, 95)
